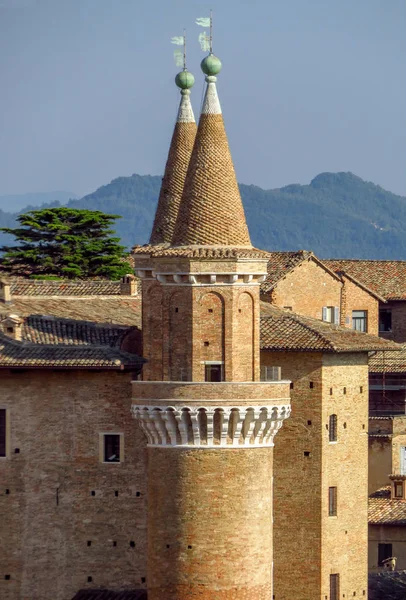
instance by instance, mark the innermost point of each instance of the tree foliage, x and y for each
(65, 242)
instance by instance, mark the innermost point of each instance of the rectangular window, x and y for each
(332, 501)
(271, 373)
(398, 485)
(332, 428)
(384, 552)
(360, 320)
(331, 314)
(213, 372)
(112, 447)
(385, 320)
(403, 460)
(334, 586)
(3, 432)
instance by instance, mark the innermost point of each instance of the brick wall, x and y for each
(355, 298)
(308, 543)
(49, 513)
(209, 522)
(389, 534)
(307, 289)
(398, 333)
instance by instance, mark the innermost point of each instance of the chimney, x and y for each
(5, 291)
(398, 491)
(129, 285)
(12, 327)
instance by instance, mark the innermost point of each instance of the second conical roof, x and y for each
(211, 210)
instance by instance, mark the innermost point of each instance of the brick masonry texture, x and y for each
(183, 326)
(398, 310)
(49, 514)
(385, 277)
(209, 521)
(306, 539)
(211, 210)
(172, 183)
(307, 287)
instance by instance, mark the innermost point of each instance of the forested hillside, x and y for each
(336, 215)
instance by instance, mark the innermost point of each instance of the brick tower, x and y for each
(208, 420)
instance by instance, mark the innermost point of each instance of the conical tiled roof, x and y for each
(211, 210)
(175, 173)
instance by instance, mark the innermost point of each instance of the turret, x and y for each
(209, 422)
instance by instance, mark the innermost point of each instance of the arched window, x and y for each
(332, 428)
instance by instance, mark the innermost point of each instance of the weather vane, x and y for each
(180, 55)
(206, 41)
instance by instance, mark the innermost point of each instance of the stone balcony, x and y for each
(207, 415)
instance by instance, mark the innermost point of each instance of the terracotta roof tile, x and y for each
(280, 264)
(209, 252)
(283, 330)
(388, 362)
(51, 330)
(15, 354)
(121, 310)
(211, 210)
(384, 277)
(97, 287)
(383, 510)
(387, 585)
(174, 178)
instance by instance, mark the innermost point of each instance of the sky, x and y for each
(87, 89)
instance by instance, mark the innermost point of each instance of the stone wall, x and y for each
(66, 516)
(309, 544)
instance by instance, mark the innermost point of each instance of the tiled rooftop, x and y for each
(387, 585)
(51, 330)
(98, 287)
(207, 252)
(283, 330)
(384, 277)
(15, 354)
(382, 510)
(211, 210)
(120, 310)
(388, 362)
(174, 177)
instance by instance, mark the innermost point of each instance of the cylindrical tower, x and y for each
(209, 420)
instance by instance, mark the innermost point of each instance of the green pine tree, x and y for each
(65, 242)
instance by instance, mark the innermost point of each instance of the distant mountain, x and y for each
(15, 202)
(336, 215)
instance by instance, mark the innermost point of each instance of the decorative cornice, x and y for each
(212, 427)
(202, 279)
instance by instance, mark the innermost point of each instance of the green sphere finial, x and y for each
(184, 80)
(211, 65)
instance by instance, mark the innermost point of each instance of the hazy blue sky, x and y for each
(87, 90)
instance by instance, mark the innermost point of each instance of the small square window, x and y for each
(213, 372)
(112, 447)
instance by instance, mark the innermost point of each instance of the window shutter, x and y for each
(324, 317)
(263, 373)
(336, 315)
